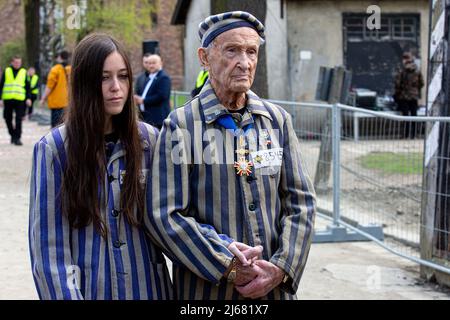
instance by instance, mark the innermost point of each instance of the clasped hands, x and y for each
(255, 277)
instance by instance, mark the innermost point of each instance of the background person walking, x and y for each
(33, 78)
(57, 88)
(15, 93)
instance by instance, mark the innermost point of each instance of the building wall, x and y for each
(316, 26)
(11, 12)
(170, 39)
(198, 11)
(277, 51)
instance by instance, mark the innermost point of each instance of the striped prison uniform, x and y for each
(198, 207)
(69, 263)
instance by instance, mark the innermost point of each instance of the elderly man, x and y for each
(228, 179)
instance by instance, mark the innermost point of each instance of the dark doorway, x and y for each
(373, 56)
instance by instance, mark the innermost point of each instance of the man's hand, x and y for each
(244, 275)
(28, 102)
(138, 99)
(244, 253)
(42, 101)
(268, 277)
(245, 256)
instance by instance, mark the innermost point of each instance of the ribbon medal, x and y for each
(243, 166)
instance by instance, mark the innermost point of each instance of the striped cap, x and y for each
(214, 25)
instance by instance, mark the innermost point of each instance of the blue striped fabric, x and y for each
(78, 263)
(273, 210)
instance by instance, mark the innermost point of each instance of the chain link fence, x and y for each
(368, 171)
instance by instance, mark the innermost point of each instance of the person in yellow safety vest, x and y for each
(16, 95)
(199, 83)
(34, 87)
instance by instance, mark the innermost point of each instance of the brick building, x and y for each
(170, 40)
(170, 37)
(11, 11)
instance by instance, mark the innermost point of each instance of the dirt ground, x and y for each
(371, 196)
(334, 271)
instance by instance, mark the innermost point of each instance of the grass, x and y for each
(180, 100)
(394, 163)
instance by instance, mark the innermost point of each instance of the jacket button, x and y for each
(251, 207)
(115, 213)
(118, 244)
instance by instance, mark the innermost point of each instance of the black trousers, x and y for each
(409, 108)
(18, 108)
(30, 108)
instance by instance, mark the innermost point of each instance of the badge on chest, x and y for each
(267, 158)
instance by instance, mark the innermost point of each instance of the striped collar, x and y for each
(118, 150)
(213, 109)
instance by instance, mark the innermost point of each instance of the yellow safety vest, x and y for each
(201, 78)
(14, 88)
(33, 83)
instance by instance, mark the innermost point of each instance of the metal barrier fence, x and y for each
(367, 168)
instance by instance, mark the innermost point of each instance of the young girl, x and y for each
(87, 204)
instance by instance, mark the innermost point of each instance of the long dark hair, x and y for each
(85, 122)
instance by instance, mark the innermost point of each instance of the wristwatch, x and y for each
(285, 278)
(232, 274)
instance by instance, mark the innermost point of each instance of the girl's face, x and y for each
(115, 84)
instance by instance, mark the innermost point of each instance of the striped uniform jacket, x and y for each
(199, 206)
(69, 263)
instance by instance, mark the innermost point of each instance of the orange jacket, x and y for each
(57, 81)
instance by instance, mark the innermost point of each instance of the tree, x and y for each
(11, 48)
(65, 22)
(50, 34)
(257, 8)
(32, 36)
(126, 20)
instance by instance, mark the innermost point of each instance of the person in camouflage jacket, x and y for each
(408, 85)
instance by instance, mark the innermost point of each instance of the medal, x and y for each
(258, 159)
(266, 136)
(243, 167)
(242, 152)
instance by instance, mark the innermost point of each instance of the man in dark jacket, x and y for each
(153, 98)
(408, 84)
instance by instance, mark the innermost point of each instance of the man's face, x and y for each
(16, 63)
(233, 58)
(152, 63)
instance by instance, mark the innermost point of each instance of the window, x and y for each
(392, 27)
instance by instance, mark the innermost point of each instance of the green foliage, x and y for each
(10, 49)
(394, 163)
(125, 20)
(178, 101)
